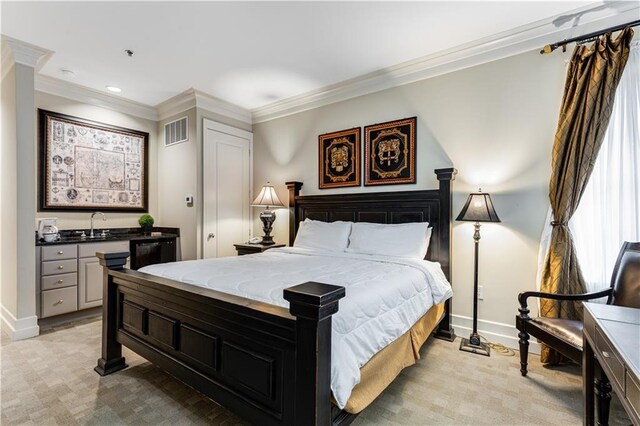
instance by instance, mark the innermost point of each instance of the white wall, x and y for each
(8, 189)
(80, 220)
(18, 300)
(495, 123)
(180, 174)
(178, 177)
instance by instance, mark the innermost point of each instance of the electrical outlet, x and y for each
(480, 292)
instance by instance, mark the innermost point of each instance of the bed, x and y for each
(267, 363)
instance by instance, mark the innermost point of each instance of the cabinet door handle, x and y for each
(60, 267)
(210, 236)
(60, 252)
(606, 354)
(59, 302)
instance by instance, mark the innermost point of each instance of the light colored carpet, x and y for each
(49, 380)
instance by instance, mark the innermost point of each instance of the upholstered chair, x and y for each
(565, 336)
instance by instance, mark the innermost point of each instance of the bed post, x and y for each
(294, 191)
(112, 359)
(313, 304)
(445, 177)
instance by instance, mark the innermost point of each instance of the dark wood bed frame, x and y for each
(265, 363)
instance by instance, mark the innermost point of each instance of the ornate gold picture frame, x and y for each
(390, 153)
(339, 159)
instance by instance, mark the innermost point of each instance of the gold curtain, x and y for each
(592, 77)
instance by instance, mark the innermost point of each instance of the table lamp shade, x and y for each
(478, 208)
(267, 198)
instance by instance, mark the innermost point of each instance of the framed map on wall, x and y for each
(85, 165)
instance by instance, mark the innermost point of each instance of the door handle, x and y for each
(210, 236)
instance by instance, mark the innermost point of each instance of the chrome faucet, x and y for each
(104, 218)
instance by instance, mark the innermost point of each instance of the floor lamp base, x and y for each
(480, 348)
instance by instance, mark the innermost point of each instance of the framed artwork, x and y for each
(390, 152)
(339, 159)
(85, 165)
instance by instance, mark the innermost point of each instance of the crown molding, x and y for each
(193, 98)
(509, 43)
(83, 94)
(179, 103)
(6, 60)
(24, 53)
(219, 106)
(18, 52)
(173, 106)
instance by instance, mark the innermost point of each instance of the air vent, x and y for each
(176, 131)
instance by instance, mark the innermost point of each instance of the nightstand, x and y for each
(246, 248)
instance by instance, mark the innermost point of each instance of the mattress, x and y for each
(385, 297)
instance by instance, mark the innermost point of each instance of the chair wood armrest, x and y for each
(522, 298)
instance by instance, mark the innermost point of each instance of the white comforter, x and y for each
(384, 296)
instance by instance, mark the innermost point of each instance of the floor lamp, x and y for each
(267, 198)
(478, 208)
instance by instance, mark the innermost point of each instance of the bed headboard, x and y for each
(432, 205)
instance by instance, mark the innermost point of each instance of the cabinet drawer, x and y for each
(59, 301)
(59, 267)
(59, 281)
(608, 355)
(61, 252)
(90, 249)
(632, 394)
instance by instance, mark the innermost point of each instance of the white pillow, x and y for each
(407, 240)
(325, 236)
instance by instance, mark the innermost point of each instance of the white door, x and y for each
(227, 189)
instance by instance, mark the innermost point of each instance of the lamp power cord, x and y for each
(498, 348)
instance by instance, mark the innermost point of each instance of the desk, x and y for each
(612, 338)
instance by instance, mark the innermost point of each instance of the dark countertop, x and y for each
(116, 234)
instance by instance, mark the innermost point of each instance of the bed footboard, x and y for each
(268, 365)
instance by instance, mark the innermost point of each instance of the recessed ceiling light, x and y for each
(68, 73)
(114, 89)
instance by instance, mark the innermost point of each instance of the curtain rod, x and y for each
(587, 37)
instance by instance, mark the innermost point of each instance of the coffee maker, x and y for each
(47, 229)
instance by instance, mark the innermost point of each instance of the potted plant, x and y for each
(146, 223)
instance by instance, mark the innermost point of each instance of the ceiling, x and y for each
(251, 53)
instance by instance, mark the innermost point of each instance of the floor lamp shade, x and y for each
(267, 198)
(478, 208)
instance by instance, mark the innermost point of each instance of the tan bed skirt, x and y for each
(385, 366)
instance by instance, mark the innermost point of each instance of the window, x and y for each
(609, 211)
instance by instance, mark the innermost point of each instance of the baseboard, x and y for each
(52, 322)
(18, 329)
(495, 332)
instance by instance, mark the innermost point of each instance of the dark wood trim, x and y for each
(254, 358)
(112, 359)
(294, 191)
(527, 327)
(269, 365)
(313, 304)
(432, 205)
(445, 329)
(247, 248)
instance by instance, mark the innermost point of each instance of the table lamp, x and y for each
(478, 208)
(267, 198)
